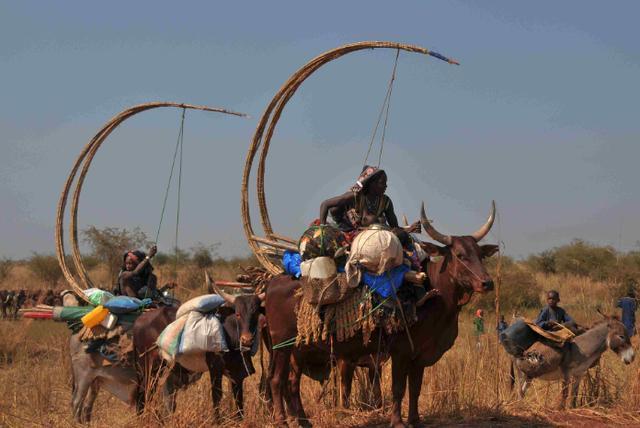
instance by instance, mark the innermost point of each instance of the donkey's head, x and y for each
(618, 339)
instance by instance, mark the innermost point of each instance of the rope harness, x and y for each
(383, 110)
(178, 149)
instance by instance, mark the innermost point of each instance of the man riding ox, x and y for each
(456, 273)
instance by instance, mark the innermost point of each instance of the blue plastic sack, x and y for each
(291, 262)
(517, 338)
(388, 282)
(125, 304)
(204, 304)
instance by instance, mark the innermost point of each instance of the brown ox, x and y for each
(456, 274)
(317, 366)
(239, 319)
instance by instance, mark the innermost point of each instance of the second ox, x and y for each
(457, 274)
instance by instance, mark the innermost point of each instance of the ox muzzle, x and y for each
(487, 285)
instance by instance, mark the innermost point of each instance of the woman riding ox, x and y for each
(363, 205)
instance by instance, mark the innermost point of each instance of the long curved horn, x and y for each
(482, 232)
(227, 297)
(431, 231)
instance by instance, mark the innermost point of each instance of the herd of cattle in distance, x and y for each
(11, 301)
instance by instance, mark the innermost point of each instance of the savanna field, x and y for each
(468, 386)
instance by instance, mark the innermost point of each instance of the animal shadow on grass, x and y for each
(471, 418)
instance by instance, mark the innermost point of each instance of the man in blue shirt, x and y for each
(552, 313)
(629, 305)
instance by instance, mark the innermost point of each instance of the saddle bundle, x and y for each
(537, 351)
(522, 334)
(357, 298)
(361, 312)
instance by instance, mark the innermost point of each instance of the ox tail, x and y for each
(512, 375)
(265, 375)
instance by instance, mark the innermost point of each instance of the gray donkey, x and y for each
(571, 362)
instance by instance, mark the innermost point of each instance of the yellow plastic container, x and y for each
(95, 317)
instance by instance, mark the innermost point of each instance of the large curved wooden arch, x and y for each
(269, 121)
(84, 159)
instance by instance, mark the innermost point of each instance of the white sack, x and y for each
(169, 340)
(319, 268)
(377, 250)
(202, 333)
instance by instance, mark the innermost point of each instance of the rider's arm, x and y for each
(542, 318)
(390, 214)
(331, 203)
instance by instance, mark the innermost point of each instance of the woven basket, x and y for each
(325, 291)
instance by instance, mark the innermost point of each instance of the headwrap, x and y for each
(368, 172)
(137, 255)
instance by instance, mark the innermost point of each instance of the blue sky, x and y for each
(541, 116)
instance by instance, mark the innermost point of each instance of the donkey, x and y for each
(133, 384)
(577, 356)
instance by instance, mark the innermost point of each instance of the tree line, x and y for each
(519, 290)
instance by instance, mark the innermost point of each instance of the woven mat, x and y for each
(356, 314)
(559, 336)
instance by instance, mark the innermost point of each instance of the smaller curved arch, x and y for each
(84, 160)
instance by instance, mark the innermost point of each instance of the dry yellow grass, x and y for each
(468, 386)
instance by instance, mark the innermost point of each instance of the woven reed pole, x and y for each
(85, 158)
(497, 306)
(269, 121)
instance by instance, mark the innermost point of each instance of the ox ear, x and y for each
(432, 250)
(489, 250)
(225, 311)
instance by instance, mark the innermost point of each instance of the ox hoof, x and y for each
(414, 423)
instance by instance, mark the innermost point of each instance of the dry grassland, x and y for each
(469, 386)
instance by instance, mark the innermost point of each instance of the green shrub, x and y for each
(161, 259)
(202, 255)
(544, 262)
(110, 243)
(5, 268)
(582, 258)
(46, 268)
(585, 259)
(518, 287)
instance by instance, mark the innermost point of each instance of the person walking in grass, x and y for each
(478, 326)
(502, 326)
(629, 305)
